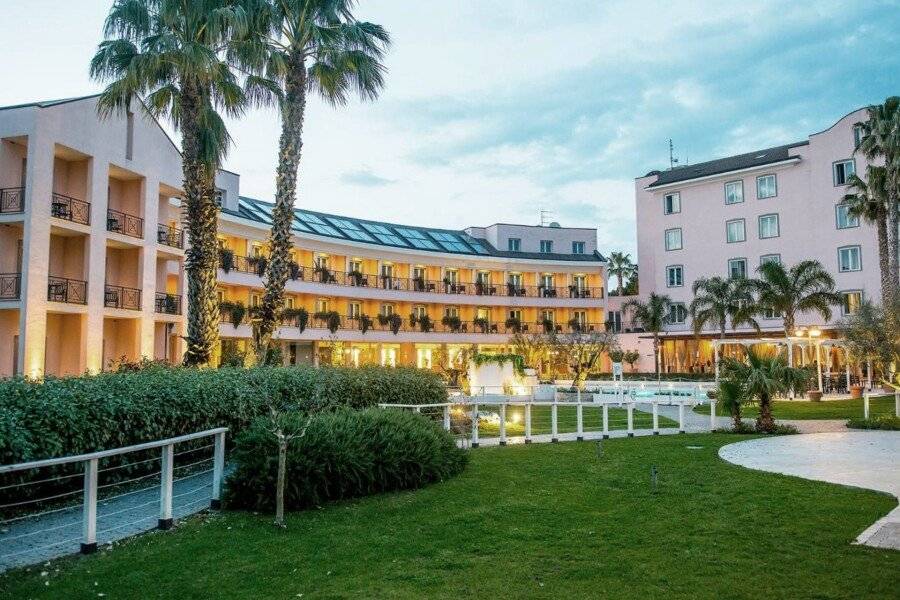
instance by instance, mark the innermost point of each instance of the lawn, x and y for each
(805, 410)
(569, 520)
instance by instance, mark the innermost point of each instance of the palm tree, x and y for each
(761, 377)
(652, 316)
(805, 287)
(869, 203)
(881, 140)
(302, 46)
(621, 266)
(718, 300)
(169, 54)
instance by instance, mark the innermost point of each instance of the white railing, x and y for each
(465, 416)
(49, 528)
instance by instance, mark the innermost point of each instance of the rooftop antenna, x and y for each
(672, 160)
(545, 217)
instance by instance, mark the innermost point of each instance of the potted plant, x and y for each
(479, 288)
(413, 319)
(425, 323)
(514, 324)
(323, 274)
(295, 271)
(481, 323)
(419, 284)
(356, 277)
(547, 324)
(815, 395)
(226, 259)
(395, 322)
(856, 392)
(235, 311)
(331, 319)
(575, 325)
(365, 323)
(452, 321)
(258, 264)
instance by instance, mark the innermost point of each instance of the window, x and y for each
(451, 276)
(579, 282)
(514, 244)
(255, 300)
(546, 246)
(423, 358)
(768, 226)
(734, 192)
(387, 310)
(735, 231)
(416, 238)
(289, 302)
(577, 247)
(852, 302)
(547, 280)
(483, 277)
(580, 317)
(321, 305)
(849, 259)
(858, 135)
(614, 323)
(516, 314)
(515, 279)
(766, 187)
(737, 268)
(419, 311)
(843, 217)
(354, 310)
(677, 313)
(767, 258)
(356, 265)
(548, 315)
(675, 276)
(673, 239)
(672, 203)
(843, 169)
(771, 314)
(451, 311)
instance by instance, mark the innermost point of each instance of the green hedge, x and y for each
(63, 417)
(343, 454)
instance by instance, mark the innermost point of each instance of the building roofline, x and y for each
(49, 103)
(533, 226)
(833, 125)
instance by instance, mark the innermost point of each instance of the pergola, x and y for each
(789, 343)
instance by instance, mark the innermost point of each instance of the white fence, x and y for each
(38, 525)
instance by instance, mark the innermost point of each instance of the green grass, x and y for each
(567, 420)
(537, 521)
(806, 410)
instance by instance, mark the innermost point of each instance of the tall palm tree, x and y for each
(622, 267)
(869, 203)
(881, 140)
(718, 300)
(761, 377)
(303, 46)
(169, 54)
(804, 287)
(652, 316)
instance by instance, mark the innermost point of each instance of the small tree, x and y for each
(534, 349)
(631, 357)
(652, 316)
(454, 369)
(872, 337)
(581, 351)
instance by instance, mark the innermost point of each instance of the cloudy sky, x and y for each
(496, 109)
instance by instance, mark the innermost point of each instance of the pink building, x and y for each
(727, 216)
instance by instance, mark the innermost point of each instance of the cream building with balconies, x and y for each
(93, 262)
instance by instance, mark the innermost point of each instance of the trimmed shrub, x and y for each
(75, 415)
(883, 422)
(344, 454)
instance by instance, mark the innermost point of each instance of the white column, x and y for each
(218, 470)
(148, 268)
(605, 421)
(503, 424)
(716, 359)
(655, 418)
(95, 265)
(631, 419)
(819, 365)
(475, 425)
(580, 418)
(866, 404)
(897, 403)
(89, 508)
(790, 353)
(847, 366)
(528, 422)
(712, 414)
(165, 486)
(681, 417)
(446, 417)
(554, 434)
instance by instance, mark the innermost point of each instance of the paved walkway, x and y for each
(55, 534)
(866, 459)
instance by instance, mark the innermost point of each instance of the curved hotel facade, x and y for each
(92, 260)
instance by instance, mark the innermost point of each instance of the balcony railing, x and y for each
(168, 304)
(119, 222)
(170, 236)
(10, 286)
(70, 209)
(12, 200)
(116, 296)
(253, 265)
(63, 289)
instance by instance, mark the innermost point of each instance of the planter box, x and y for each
(856, 391)
(815, 395)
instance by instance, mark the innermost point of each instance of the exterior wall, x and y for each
(498, 235)
(805, 202)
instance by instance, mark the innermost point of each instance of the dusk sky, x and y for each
(495, 109)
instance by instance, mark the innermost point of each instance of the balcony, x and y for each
(168, 304)
(63, 289)
(116, 296)
(70, 209)
(10, 286)
(170, 236)
(119, 222)
(12, 200)
(253, 265)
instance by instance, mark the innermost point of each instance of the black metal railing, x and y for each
(117, 296)
(256, 265)
(10, 286)
(63, 289)
(170, 236)
(119, 222)
(168, 304)
(70, 209)
(12, 200)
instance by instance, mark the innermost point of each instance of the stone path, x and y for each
(55, 534)
(866, 459)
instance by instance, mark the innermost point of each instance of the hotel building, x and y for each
(727, 216)
(93, 261)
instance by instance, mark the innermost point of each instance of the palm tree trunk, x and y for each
(656, 352)
(765, 421)
(289, 150)
(893, 234)
(884, 262)
(201, 256)
(619, 288)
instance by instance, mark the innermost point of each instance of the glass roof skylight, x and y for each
(351, 229)
(450, 242)
(416, 238)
